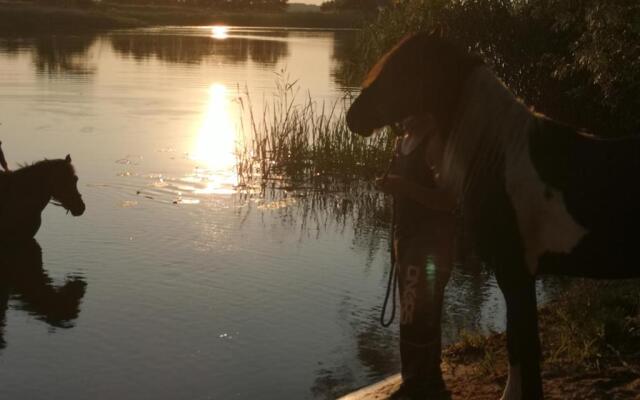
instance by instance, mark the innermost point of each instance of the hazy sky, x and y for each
(317, 2)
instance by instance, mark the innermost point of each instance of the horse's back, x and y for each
(603, 181)
(598, 177)
(602, 193)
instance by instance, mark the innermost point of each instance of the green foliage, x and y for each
(595, 325)
(578, 61)
(364, 5)
(604, 42)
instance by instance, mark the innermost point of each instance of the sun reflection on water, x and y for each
(215, 145)
(220, 32)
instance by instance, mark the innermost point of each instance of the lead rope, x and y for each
(392, 283)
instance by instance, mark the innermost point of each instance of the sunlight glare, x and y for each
(220, 32)
(215, 145)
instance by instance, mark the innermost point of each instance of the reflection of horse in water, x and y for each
(25, 192)
(22, 278)
(542, 197)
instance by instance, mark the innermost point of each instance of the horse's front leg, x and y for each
(518, 287)
(21, 226)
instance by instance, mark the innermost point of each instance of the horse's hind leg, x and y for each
(518, 288)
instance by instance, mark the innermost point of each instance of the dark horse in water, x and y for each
(542, 197)
(25, 192)
(23, 279)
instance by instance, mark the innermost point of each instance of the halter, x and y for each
(392, 283)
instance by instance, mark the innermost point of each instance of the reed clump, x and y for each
(298, 156)
(299, 140)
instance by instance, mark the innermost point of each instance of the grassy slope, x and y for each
(591, 344)
(28, 18)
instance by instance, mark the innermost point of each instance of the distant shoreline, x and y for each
(26, 18)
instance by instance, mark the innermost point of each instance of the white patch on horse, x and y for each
(513, 389)
(493, 122)
(543, 220)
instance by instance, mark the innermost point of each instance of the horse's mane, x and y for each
(416, 44)
(25, 168)
(491, 121)
(373, 73)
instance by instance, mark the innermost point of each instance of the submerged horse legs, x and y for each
(523, 343)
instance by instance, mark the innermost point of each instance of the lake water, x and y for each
(193, 289)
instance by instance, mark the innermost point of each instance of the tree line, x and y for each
(232, 5)
(361, 5)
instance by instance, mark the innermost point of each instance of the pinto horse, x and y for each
(542, 197)
(25, 192)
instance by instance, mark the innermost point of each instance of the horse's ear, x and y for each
(68, 158)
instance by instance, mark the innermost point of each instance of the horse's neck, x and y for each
(491, 121)
(28, 189)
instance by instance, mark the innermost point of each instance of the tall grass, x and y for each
(591, 326)
(299, 157)
(595, 325)
(298, 139)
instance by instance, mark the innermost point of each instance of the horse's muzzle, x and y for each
(358, 120)
(77, 210)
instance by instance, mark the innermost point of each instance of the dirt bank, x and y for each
(591, 346)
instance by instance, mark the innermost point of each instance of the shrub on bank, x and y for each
(576, 61)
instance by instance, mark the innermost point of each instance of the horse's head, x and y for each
(422, 74)
(64, 187)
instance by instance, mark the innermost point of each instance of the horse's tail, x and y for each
(3, 161)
